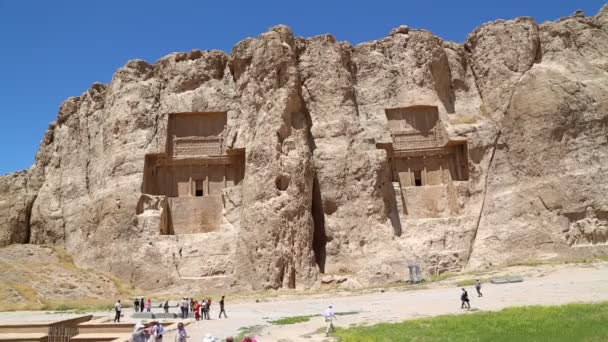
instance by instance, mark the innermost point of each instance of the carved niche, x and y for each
(193, 171)
(425, 162)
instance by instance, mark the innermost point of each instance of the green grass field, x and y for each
(574, 322)
(291, 320)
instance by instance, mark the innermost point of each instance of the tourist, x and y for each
(464, 298)
(184, 308)
(478, 288)
(148, 305)
(197, 310)
(140, 334)
(181, 335)
(136, 304)
(222, 308)
(181, 307)
(204, 309)
(157, 331)
(208, 308)
(117, 309)
(166, 306)
(329, 318)
(191, 304)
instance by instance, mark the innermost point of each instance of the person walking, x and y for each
(222, 310)
(478, 288)
(329, 318)
(117, 309)
(136, 304)
(166, 306)
(181, 335)
(464, 298)
(208, 308)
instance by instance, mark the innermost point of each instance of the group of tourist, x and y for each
(140, 305)
(201, 309)
(465, 302)
(152, 333)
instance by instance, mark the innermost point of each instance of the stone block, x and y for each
(168, 315)
(143, 315)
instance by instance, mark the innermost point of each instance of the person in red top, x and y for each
(197, 310)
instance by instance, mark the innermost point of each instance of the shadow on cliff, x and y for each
(319, 239)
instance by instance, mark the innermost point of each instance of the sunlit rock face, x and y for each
(291, 157)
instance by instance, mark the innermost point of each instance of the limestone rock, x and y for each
(15, 208)
(274, 246)
(403, 29)
(499, 53)
(552, 141)
(358, 161)
(327, 279)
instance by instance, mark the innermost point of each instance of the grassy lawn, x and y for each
(574, 322)
(291, 320)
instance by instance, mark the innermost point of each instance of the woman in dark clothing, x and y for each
(464, 298)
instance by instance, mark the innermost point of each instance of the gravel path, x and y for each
(553, 285)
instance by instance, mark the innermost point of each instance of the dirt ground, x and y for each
(542, 285)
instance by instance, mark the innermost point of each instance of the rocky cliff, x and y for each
(321, 191)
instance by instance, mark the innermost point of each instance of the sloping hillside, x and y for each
(43, 277)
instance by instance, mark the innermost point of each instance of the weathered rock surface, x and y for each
(15, 208)
(37, 277)
(318, 195)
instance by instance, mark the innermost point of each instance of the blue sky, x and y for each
(50, 50)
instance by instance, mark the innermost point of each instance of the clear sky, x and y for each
(50, 50)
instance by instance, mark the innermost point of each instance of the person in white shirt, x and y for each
(117, 308)
(329, 317)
